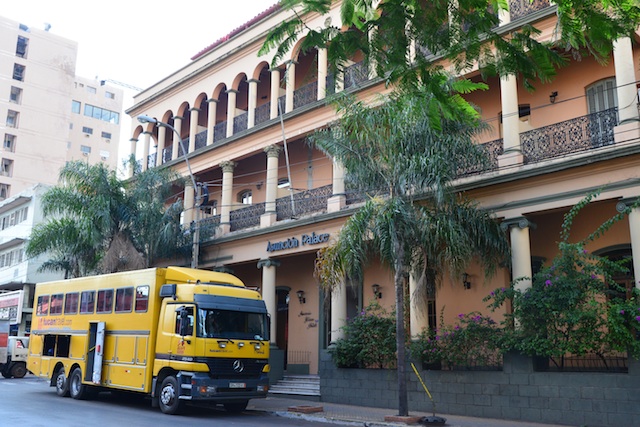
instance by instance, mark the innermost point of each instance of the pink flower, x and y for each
(621, 311)
(638, 318)
(548, 283)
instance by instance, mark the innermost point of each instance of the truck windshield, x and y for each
(214, 323)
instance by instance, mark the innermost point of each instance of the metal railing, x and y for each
(492, 149)
(305, 95)
(263, 113)
(220, 131)
(240, 122)
(355, 74)
(570, 136)
(304, 202)
(520, 8)
(246, 217)
(201, 139)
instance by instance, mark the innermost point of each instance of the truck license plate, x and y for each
(237, 385)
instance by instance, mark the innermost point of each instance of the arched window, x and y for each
(602, 95)
(245, 197)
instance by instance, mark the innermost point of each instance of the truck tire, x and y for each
(5, 373)
(169, 401)
(77, 390)
(235, 407)
(19, 370)
(62, 383)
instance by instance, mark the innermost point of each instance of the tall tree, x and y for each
(99, 223)
(420, 224)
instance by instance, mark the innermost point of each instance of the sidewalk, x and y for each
(364, 416)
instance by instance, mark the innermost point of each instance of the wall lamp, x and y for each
(376, 291)
(465, 281)
(552, 97)
(301, 297)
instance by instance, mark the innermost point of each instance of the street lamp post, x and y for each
(195, 250)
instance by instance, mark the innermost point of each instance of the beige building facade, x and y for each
(274, 200)
(48, 115)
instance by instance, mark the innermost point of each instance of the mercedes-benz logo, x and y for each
(238, 366)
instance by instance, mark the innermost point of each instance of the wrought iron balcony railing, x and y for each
(571, 136)
(263, 113)
(151, 160)
(246, 217)
(166, 154)
(304, 202)
(355, 74)
(240, 122)
(305, 95)
(220, 131)
(201, 139)
(208, 227)
(520, 8)
(492, 149)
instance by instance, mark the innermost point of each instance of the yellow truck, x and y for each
(174, 334)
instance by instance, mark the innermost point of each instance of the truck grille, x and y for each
(235, 368)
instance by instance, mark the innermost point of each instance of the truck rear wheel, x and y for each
(77, 390)
(235, 407)
(169, 401)
(62, 384)
(5, 373)
(19, 370)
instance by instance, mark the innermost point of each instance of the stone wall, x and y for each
(515, 393)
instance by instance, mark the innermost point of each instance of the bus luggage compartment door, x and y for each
(95, 352)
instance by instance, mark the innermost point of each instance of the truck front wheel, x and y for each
(19, 370)
(169, 401)
(62, 384)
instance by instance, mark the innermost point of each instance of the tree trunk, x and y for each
(403, 406)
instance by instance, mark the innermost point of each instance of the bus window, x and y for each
(71, 303)
(43, 305)
(105, 301)
(124, 300)
(56, 304)
(142, 298)
(86, 302)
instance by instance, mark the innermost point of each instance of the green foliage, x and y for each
(574, 306)
(473, 342)
(369, 342)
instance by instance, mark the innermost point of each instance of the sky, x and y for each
(132, 41)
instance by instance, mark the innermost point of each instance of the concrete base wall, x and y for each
(515, 393)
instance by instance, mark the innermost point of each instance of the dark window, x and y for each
(21, 47)
(87, 130)
(56, 304)
(87, 299)
(105, 301)
(142, 298)
(124, 300)
(106, 135)
(71, 303)
(42, 308)
(18, 72)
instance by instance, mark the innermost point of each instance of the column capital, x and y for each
(228, 166)
(273, 150)
(236, 91)
(177, 118)
(146, 132)
(194, 109)
(268, 262)
(520, 222)
(213, 100)
(253, 81)
(274, 69)
(133, 140)
(290, 61)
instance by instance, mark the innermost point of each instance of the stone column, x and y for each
(338, 199)
(211, 120)
(177, 124)
(162, 136)
(418, 315)
(520, 250)
(269, 296)
(231, 110)
(145, 150)
(271, 186)
(275, 92)
(629, 127)
(338, 312)
(290, 85)
(193, 128)
(323, 66)
(227, 196)
(132, 149)
(510, 123)
(253, 101)
(634, 234)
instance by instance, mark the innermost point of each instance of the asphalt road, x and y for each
(31, 402)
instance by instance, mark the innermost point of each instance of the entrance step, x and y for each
(303, 386)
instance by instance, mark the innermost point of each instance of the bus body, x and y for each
(174, 334)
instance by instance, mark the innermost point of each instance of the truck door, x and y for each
(183, 343)
(95, 352)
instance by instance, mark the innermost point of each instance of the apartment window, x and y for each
(12, 119)
(106, 135)
(23, 27)
(4, 191)
(245, 197)
(101, 114)
(91, 89)
(85, 149)
(16, 95)
(18, 72)
(75, 107)
(87, 130)
(9, 142)
(602, 95)
(21, 47)
(283, 183)
(6, 167)
(110, 95)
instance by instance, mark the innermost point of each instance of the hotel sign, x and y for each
(294, 242)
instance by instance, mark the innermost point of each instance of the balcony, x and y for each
(263, 113)
(220, 131)
(305, 95)
(303, 203)
(520, 8)
(201, 139)
(240, 122)
(246, 217)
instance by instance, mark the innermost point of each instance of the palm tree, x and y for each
(418, 223)
(100, 223)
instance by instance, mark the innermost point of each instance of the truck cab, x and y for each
(15, 364)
